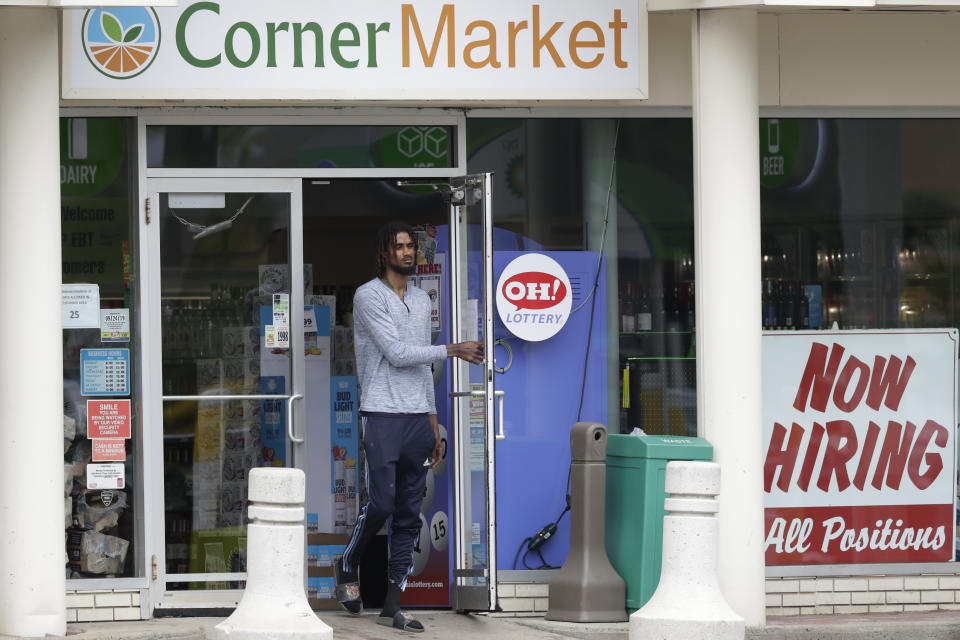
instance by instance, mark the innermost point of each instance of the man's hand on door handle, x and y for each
(470, 351)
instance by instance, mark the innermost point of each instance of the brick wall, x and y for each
(523, 598)
(862, 594)
(799, 596)
(96, 606)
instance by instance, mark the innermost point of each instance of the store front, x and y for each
(205, 231)
(210, 264)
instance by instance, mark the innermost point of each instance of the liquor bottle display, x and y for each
(790, 305)
(657, 355)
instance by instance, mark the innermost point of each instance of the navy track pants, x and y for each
(396, 446)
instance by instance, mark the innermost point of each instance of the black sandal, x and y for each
(347, 593)
(401, 620)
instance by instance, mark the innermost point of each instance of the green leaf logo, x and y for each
(111, 26)
(121, 43)
(133, 33)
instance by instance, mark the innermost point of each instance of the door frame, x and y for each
(153, 181)
(469, 597)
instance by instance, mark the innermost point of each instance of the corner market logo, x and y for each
(122, 42)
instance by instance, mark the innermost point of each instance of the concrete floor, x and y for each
(934, 625)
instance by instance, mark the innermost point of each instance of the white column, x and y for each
(32, 554)
(727, 243)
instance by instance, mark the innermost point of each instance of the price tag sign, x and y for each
(80, 306)
(115, 325)
(105, 372)
(281, 310)
(108, 418)
(105, 476)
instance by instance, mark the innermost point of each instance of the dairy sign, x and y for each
(534, 297)
(379, 50)
(859, 441)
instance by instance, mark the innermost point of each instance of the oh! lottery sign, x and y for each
(534, 297)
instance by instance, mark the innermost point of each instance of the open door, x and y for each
(475, 399)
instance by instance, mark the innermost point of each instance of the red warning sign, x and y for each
(108, 419)
(109, 450)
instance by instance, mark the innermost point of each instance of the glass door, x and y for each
(474, 396)
(228, 285)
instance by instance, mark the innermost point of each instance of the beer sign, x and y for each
(859, 446)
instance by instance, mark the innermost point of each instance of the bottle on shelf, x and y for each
(628, 317)
(803, 308)
(790, 307)
(769, 303)
(673, 311)
(660, 312)
(689, 304)
(644, 320)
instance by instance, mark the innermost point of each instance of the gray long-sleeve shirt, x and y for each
(391, 340)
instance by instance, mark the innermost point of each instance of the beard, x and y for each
(404, 271)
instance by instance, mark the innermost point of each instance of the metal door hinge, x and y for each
(146, 208)
(153, 562)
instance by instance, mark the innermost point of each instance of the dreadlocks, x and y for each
(386, 238)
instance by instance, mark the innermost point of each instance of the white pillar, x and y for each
(32, 552)
(727, 243)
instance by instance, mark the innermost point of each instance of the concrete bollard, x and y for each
(687, 604)
(274, 605)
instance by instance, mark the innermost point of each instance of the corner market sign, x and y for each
(383, 50)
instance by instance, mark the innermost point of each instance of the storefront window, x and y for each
(551, 182)
(624, 357)
(860, 232)
(860, 223)
(102, 424)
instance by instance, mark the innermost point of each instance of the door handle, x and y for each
(498, 399)
(294, 439)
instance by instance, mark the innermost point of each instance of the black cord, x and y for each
(526, 541)
(596, 277)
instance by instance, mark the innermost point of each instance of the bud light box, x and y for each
(323, 548)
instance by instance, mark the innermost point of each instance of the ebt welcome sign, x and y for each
(859, 444)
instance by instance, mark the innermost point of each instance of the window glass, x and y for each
(102, 425)
(299, 147)
(552, 178)
(860, 216)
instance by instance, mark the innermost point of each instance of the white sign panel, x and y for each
(534, 297)
(379, 50)
(859, 446)
(81, 306)
(105, 476)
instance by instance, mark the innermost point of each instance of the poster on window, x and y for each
(859, 446)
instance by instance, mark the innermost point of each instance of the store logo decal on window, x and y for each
(121, 42)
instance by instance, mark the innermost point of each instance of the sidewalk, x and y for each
(935, 625)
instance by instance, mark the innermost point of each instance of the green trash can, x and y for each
(635, 474)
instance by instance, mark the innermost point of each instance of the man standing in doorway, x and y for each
(399, 422)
